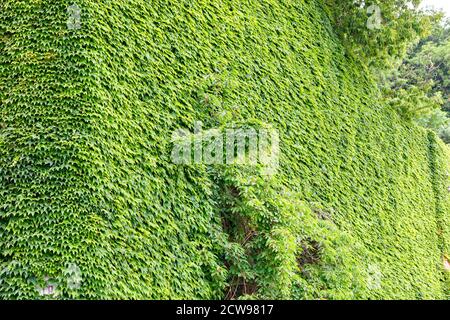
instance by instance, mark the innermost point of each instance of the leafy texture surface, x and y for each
(86, 178)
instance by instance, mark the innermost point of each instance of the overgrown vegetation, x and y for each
(419, 88)
(359, 208)
(277, 247)
(407, 51)
(379, 31)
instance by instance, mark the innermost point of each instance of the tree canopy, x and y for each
(379, 31)
(420, 86)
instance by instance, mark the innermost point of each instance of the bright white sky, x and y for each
(437, 4)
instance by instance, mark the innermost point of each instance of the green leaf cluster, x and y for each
(86, 178)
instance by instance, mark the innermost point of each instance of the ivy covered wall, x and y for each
(91, 201)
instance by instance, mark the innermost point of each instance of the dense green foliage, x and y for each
(379, 31)
(420, 87)
(359, 207)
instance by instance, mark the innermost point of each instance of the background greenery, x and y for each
(86, 178)
(419, 86)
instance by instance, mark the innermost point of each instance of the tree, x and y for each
(379, 31)
(420, 87)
